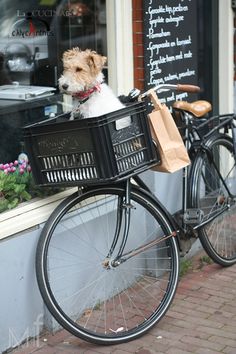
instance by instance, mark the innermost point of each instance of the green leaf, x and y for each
(3, 204)
(13, 203)
(25, 196)
(19, 188)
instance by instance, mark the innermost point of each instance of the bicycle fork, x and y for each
(124, 208)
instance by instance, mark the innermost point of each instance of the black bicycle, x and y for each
(107, 260)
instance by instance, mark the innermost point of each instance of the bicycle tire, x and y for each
(208, 193)
(115, 305)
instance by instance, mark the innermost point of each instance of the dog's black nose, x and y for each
(65, 86)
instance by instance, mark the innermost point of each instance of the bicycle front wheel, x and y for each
(213, 184)
(86, 294)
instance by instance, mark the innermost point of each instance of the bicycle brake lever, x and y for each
(133, 95)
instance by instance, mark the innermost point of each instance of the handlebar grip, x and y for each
(188, 88)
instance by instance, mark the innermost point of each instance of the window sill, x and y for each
(30, 214)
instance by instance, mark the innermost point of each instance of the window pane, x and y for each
(33, 36)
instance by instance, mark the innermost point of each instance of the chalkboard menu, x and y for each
(170, 45)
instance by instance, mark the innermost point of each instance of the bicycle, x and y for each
(107, 260)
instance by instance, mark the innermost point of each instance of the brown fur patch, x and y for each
(83, 65)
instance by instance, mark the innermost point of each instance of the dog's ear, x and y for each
(96, 61)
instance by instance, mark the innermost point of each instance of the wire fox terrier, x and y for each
(83, 79)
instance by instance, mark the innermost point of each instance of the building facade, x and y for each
(146, 42)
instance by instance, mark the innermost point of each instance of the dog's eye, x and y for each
(78, 69)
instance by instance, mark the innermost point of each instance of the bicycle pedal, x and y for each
(193, 216)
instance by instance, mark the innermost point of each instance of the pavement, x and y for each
(201, 320)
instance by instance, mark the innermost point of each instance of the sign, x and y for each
(170, 45)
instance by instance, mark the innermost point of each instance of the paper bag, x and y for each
(166, 136)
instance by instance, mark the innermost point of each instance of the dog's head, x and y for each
(82, 70)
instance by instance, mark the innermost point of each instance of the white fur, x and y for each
(76, 86)
(99, 103)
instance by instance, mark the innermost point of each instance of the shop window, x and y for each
(33, 36)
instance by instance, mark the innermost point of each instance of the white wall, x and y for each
(120, 45)
(21, 306)
(226, 57)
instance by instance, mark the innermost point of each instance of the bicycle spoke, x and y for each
(216, 184)
(86, 293)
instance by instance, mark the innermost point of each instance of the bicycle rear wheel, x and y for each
(88, 296)
(213, 190)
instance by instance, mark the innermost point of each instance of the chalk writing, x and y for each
(170, 44)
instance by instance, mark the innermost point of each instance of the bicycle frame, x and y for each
(195, 143)
(200, 145)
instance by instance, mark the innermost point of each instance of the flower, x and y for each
(15, 183)
(18, 166)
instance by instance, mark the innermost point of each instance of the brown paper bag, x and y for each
(165, 134)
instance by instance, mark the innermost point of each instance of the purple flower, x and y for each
(17, 166)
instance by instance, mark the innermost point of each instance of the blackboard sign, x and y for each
(170, 45)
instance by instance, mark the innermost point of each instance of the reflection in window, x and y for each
(34, 35)
(84, 25)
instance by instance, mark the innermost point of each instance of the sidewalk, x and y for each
(201, 320)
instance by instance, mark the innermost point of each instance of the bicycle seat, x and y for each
(197, 108)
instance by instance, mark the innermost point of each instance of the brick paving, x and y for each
(201, 320)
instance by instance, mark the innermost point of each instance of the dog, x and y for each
(82, 78)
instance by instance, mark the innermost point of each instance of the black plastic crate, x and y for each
(96, 150)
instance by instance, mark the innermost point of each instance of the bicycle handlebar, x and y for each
(178, 87)
(188, 88)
